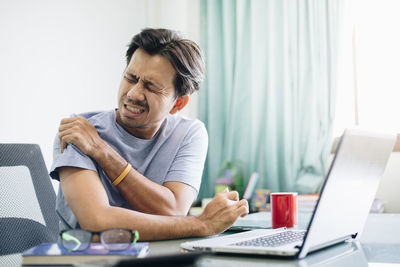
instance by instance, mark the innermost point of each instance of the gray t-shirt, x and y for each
(176, 153)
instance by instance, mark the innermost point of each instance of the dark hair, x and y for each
(184, 55)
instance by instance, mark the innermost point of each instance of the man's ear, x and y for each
(180, 103)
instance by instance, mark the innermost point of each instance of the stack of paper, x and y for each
(307, 202)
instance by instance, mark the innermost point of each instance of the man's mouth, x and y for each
(135, 110)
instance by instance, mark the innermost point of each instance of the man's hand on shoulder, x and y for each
(81, 133)
(222, 212)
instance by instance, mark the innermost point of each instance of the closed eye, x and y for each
(131, 78)
(152, 88)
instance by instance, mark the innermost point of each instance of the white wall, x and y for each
(59, 57)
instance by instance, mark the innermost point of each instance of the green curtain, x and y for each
(268, 97)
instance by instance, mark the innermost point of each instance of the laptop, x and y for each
(340, 214)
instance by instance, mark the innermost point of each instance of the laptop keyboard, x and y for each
(275, 240)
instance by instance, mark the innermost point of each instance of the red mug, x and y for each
(284, 210)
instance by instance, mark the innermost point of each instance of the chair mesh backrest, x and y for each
(27, 201)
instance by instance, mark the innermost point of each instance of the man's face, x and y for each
(146, 94)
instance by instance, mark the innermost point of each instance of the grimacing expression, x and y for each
(146, 94)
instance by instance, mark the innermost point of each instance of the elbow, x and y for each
(179, 212)
(173, 210)
(175, 207)
(94, 221)
(173, 213)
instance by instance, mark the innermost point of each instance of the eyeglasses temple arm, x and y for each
(69, 237)
(135, 236)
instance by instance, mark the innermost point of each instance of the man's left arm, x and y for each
(171, 198)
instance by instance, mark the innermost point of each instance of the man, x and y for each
(139, 166)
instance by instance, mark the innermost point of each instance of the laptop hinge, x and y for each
(330, 243)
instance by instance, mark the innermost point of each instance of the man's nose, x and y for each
(136, 92)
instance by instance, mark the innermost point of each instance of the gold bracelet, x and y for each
(122, 175)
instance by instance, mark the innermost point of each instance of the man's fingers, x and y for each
(62, 147)
(67, 121)
(70, 122)
(233, 195)
(242, 203)
(238, 209)
(65, 125)
(71, 131)
(243, 211)
(66, 136)
(228, 197)
(243, 207)
(63, 143)
(71, 119)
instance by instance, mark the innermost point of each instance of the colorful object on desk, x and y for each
(283, 209)
(259, 200)
(231, 176)
(251, 185)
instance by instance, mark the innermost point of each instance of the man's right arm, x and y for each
(88, 200)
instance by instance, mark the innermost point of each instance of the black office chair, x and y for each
(27, 202)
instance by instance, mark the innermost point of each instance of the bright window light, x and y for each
(368, 86)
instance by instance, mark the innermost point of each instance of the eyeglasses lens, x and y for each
(76, 240)
(116, 239)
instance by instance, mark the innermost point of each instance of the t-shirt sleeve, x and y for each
(188, 164)
(71, 157)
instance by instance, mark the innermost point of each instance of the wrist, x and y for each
(202, 228)
(99, 151)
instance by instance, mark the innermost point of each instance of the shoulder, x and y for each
(102, 120)
(96, 117)
(178, 121)
(189, 130)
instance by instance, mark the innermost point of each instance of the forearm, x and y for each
(150, 227)
(141, 193)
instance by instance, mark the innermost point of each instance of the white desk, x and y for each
(380, 243)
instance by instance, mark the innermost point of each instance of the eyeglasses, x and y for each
(111, 239)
